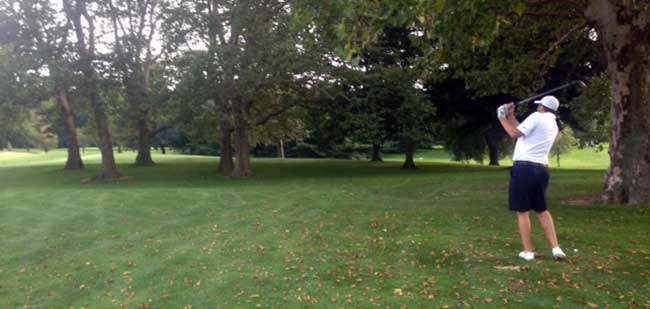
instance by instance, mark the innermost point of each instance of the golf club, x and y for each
(567, 85)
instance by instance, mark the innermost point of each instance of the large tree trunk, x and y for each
(624, 29)
(493, 148)
(376, 153)
(226, 164)
(281, 149)
(109, 168)
(144, 143)
(409, 152)
(242, 146)
(74, 161)
(86, 56)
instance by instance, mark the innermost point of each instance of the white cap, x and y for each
(549, 101)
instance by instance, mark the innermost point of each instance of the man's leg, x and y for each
(524, 230)
(546, 220)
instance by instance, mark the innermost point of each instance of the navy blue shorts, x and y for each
(528, 183)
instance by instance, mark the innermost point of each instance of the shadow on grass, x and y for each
(193, 173)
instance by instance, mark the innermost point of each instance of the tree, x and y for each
(388, 104)
(22, 90)
(468, 126)
(135, 26)
(251, 50)
(42, 36)
(76, 11)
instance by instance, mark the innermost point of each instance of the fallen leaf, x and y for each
(592, 305)
(398, 292)
(515, 268)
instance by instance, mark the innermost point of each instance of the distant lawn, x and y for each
(585, 158)
(9, 155)
(299, 233)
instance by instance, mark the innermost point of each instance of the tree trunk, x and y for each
(242, 146)
(162, 149)
(281, 149)
(86, 56)
(624, 29)
(410, 152)
(109, 168)
(74, 161)
(119, 148)
(144, 143)
(226, 164)
(376, 153)
(493, 149)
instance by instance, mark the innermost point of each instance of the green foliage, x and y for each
(592, 111)
(193, 108)
(498, 46)
(563, 144)
(21, 92)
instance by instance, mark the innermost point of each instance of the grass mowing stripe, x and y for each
(300, 232)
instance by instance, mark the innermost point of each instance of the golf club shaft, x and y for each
(526, 100)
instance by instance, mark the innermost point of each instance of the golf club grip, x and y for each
(526, 100)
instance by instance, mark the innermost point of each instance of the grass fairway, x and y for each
(307, 232)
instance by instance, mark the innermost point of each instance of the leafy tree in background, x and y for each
(563, 144)
(135, 25)
(251, 50)
(41, 35)
(592, 112)
(21, 91)
(76, 11)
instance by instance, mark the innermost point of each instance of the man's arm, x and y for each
(510, 123)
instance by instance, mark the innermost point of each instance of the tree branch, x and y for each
(159, 129)
(562, 39)
(265, 119)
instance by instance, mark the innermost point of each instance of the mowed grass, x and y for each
(304, 233)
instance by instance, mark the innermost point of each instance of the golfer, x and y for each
(529, 177)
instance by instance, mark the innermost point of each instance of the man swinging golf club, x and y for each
(529, 177)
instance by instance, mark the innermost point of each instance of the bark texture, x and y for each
(144, 144)
(624, 28)
(74, 161)
(242, 146)
(409, 163)
(376, 153)
(86, 49)
(492, 143)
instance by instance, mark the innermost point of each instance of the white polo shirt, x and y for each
(540, 131)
